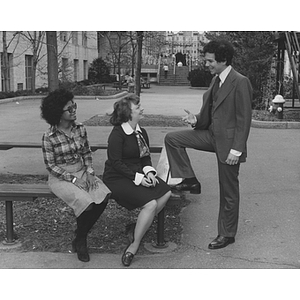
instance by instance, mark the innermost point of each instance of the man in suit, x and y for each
(222, 126)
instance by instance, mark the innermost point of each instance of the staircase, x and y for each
(179, 78)
(293, 50)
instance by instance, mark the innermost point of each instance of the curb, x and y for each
(21, 98)
(39, 97)
(275, 124)
(116, 96)
(199, 88)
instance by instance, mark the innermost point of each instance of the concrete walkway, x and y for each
(268, 235)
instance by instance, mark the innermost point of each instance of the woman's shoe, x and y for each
(81, 250)
(127, 257)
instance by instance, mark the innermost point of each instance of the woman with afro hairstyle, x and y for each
(68, 159)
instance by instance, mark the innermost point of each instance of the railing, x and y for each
(293, 50)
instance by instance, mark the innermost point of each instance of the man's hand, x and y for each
(190, 118)
(232, 159)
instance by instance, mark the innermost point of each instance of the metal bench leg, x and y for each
(160, 230)
(9, 223)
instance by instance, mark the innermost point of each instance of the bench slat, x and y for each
(94, 147)
(16, 191)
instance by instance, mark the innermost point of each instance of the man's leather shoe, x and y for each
(193, 188)
(221, 242)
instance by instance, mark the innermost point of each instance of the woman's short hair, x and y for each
(122, 109)
(222, 49)
(52, 106)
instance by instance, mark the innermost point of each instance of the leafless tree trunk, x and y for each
(5, 69)
(52, 64)
(140, 35)
(133, 41)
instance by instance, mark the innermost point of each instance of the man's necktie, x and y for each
(215, 88)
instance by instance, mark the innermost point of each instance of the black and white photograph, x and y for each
(169, 154)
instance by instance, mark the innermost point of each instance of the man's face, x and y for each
(214, 66)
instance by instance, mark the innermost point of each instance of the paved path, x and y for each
(268, 235)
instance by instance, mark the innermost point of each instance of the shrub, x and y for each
(199, 78)
(99, 71)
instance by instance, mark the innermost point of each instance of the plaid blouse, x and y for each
(60, 149)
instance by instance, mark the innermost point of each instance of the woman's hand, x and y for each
(81, 184)
(145, 182)
(91, 181)
(151, 178)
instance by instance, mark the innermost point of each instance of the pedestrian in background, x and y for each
(222, 126)
(68, 159)
(166, 70)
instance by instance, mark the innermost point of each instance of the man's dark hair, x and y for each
(222, 49)
(52, 106)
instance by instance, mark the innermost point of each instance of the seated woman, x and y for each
(128, 171)
(68, 159)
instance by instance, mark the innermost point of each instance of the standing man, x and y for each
(222, 126)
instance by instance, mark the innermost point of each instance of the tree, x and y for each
(52, 60)
(254, 53)
(5, 68)
(36, 40)
(118, 44)
(140, 35)
(133, 51)
(99, 71)
(5, 62)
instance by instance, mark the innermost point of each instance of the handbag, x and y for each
(163, 169)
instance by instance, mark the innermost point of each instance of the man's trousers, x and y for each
(180, 167)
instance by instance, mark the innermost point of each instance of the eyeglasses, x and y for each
(71, 108)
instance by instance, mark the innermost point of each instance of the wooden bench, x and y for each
(29, 192)
(94, 147)
(117, 86)
(145, 84)
(20, 192)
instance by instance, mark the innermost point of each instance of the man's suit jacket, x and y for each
(231, 116)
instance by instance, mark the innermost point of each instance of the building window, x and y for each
(3, 71)
(76, 63)
(84, 38)
(63, 36)
(75, 37)
(85, 69)
(28, 71)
